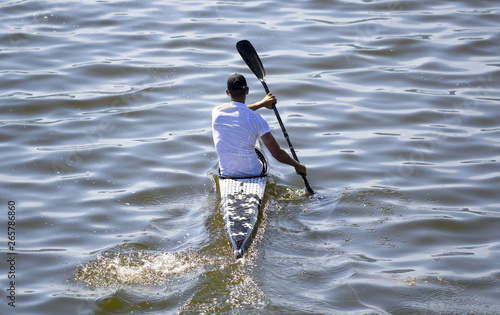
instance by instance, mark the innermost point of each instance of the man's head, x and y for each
(237, 87)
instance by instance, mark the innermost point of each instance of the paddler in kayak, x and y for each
(236, 128)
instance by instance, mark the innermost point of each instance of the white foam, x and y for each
(136, 268)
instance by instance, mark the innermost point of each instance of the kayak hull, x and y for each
(241, 200)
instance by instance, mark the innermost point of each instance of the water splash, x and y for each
(139, 267)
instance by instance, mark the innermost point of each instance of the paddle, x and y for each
(252, 59)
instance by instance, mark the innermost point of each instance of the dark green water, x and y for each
(107, 153)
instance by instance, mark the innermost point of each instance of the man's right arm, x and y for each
(281, 155)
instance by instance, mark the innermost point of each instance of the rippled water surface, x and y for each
(107, 153)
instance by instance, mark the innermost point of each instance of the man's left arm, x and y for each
(266, 102)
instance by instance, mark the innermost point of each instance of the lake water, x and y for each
(107, 157)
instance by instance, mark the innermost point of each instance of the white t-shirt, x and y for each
(236, 129)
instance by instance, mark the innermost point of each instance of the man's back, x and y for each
(235, 131)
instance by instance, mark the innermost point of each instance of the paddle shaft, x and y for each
(251, 58)
(285, 133)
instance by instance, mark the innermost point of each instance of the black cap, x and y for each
(236, 82)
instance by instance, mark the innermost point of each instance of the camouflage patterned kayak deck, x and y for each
(241, 199)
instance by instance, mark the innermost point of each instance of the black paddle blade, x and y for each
(251, 58)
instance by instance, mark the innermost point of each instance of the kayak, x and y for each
(241, 199)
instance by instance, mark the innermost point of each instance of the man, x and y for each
(236, 128)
